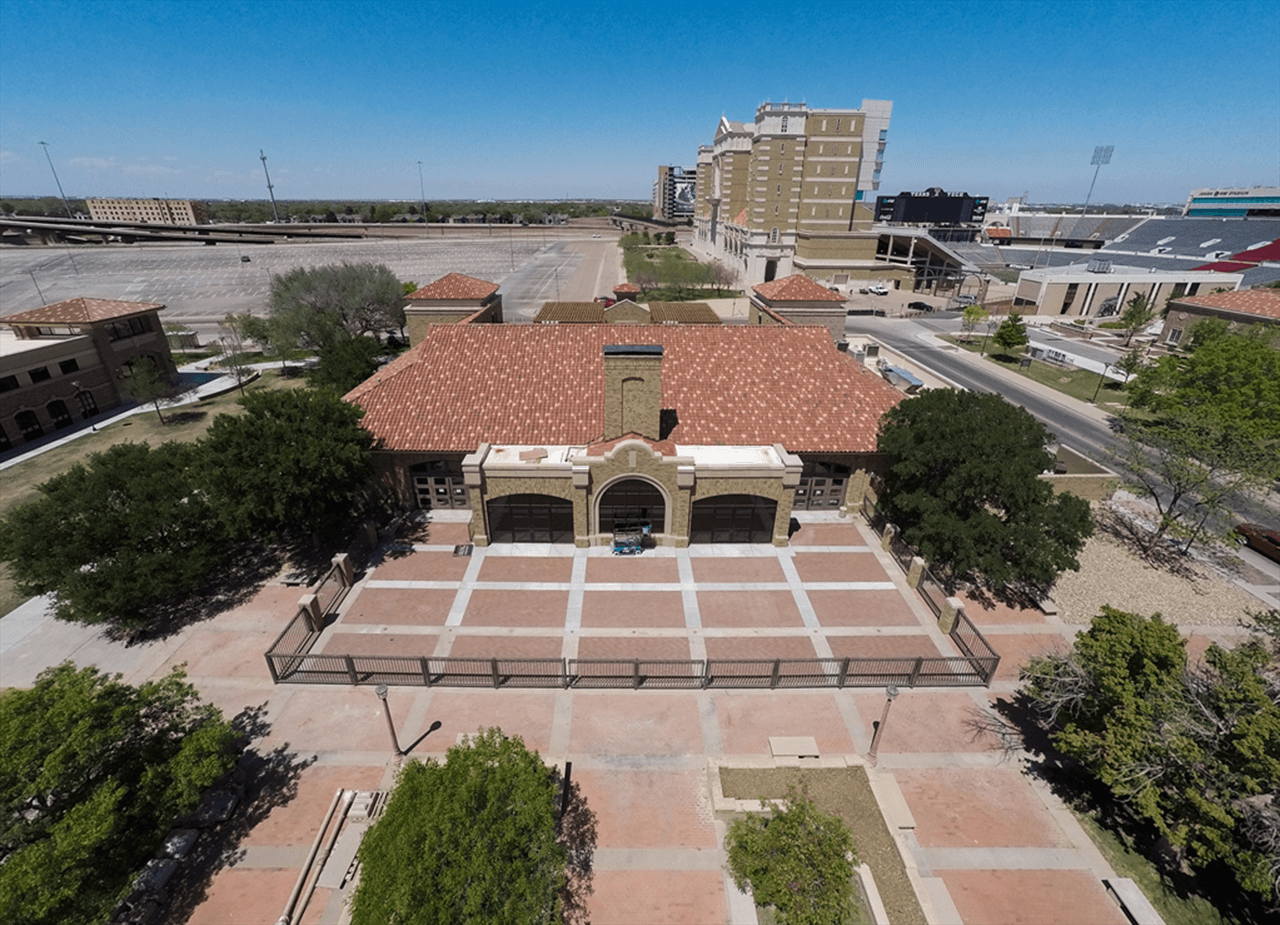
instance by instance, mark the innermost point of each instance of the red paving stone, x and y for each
(747, 720)
(516, 608)
(633, 569)
(526, 568)
(1016, 648)
(737, 569)
(506, 647)
(322, 719)
(839, 566)
(649, 809)
(657, 897)
(421, 566)
(528, 714)
(748, 609)
(760, 647)
(414, 644)
(1030, 897)
(913, 646)
(635, 723)
(400, 607)
(827, 535)
(222, 653)
(923, 721)
(295, 822)
(977, 807)
(861, 608)
(998, 614)
(250, 897)
(270, 602)
(446, 535)
(632, 608)
(651, 647)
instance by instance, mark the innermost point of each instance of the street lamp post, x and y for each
(422, 188)
(891, 693)
(381, 691)
(1101, 379)
(45, 144)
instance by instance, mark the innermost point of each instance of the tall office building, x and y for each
(790, 190)
(673, 193)
(147, 211)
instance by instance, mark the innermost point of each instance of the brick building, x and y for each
(1243, 307)
(555, 433)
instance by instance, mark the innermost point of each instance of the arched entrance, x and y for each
(732, 519)
(530, 519)
(632, 501)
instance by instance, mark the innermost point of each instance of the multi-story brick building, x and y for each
(790, 191)
(148, 211)
(69, 360)
(673, 194)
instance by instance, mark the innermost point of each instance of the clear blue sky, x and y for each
(570, 99)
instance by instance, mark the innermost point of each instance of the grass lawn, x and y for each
(1174, 909)
(1080, 384)
(845, 792)
(185, 424)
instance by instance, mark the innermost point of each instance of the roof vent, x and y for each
(1099, 265)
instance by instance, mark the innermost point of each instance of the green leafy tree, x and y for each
(346, 363)
(963, 484)
(1189, 749)
(93, 773)
(1012, 334)
(472, 840)
(235, 336)
(799, 860)
(321, 304)
(296, 457)
(1206, 330)
(109, 537)
(973, 316)
(151, 387)
(1130, 363)
(1137, 314)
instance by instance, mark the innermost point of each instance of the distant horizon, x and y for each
(401, 101)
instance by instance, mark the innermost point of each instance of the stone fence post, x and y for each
(915, 573)
(342, 562)
(952, 607)
(310, 605)
(886, 540)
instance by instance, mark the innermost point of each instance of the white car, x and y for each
(878, 290)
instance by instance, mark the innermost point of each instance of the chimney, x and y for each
(632, 390)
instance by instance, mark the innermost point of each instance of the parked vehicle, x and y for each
(1261, 539)
(966, 300)
(878, 290)
(920, 306)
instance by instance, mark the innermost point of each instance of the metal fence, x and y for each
(972, 643)
(331, 590)
(902, 553)
(932, 592)
(628, 673)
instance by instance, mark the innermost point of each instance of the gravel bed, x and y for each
(846, 793)
(1186, 592)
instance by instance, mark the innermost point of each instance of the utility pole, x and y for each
(270, 189)
(55, 178)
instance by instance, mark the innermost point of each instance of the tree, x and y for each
(346, 363)
(235, 336)
(1138, 313)
(1130, 363)
(109, 537)
(472, 840)
(963, 484)
(973, 316)
(1012, 334)
(296, 457)
(1195, 751)
(150, 386)
(321, 304)
(93, 773)
(1206, 330)
(799, 860)
(723, 276)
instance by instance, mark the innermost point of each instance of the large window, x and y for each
(632, 501)
(732, 519)
(439, 484)
(822, 486)
(57, 409)
(530, 519)
(29, 424)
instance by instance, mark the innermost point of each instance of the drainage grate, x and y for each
(463, 549)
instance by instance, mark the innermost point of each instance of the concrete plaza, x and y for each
(987, 844)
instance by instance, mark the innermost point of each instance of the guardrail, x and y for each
(290, 668)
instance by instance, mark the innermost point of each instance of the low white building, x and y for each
(1098, 289)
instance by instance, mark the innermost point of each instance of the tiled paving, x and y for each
(990, 845)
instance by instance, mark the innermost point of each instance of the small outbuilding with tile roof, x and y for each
(69, 360)
(798, 300)
(449, 300)
(1244, 306)
(557, 433)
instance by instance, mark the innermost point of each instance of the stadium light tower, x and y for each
(422, 189)
(270, 188)
(55, 178)
(1101, 155)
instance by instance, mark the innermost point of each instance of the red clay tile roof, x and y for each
(81, 311)
(797, 288)
(543, 385)
(454, 287)
(570, 313)
(683, 313)
(1262, 302)
(626, 287)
